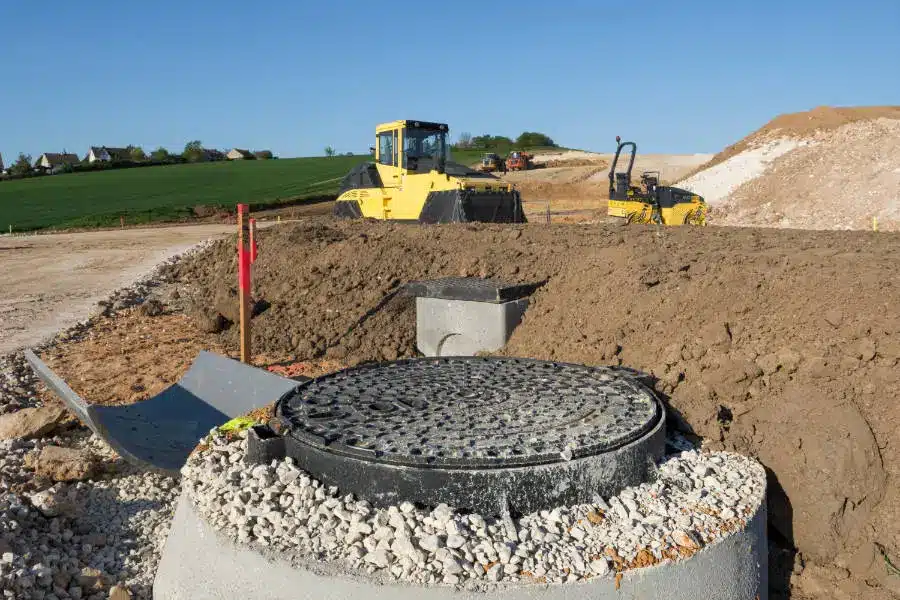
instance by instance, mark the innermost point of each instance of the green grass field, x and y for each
(166, 193)
(170, 193)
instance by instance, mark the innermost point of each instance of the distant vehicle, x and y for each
(519, 161)
(491, 162)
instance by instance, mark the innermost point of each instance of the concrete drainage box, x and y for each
(461, 316)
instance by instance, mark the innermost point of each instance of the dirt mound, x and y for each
(801, 125)
(774, 343)
(839, 179)
(568, 158)
(830, 168)
(333, 289)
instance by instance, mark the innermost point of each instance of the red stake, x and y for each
(244, 261)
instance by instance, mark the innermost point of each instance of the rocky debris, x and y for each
(55, 501)
(90, 540)
(30, 423)
(209, 321)
(73, 539)
(835, 179)
(62, 464)
(696, 499)
(716, 183)
(152, 308)
(18, 384)
(118, 592)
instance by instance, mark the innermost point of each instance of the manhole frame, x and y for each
(488, 489)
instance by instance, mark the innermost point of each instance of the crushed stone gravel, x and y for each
(695, 499)
(716, 183)
(76, 540)
(88, 540)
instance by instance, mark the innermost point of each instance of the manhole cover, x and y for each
(428, 430)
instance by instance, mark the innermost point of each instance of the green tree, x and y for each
(491, 142)
(22, 166)
(160, 154)
(136, 153)
(329, 151)
(263, 154)
(193, 151)
(532, 139)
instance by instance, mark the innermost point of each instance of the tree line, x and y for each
(527, 139)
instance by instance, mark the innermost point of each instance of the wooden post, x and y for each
(122, 221)
(243, 221)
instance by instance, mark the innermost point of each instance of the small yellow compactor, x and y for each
(413, 180)
(650, 202)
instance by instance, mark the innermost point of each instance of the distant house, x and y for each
(52, 160)
(211, 154)
(107, 154)
(238, 154)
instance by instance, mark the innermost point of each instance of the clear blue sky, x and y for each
(681, 76)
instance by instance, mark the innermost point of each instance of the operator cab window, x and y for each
(386, 149)
(422, 148)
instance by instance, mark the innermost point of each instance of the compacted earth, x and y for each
(778, 344)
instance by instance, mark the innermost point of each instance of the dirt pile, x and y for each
(841, 179)
(829, 168)
(804, 124)
(567, 158)
(334, 290)
(778, 344)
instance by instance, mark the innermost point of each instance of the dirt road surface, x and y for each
(52, 281)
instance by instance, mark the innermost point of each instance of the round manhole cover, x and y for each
(394, 430)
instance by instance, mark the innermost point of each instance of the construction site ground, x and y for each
(777, 344)
(52, 281)
(781, 344)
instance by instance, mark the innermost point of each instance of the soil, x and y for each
(778, 344)
(120, 360)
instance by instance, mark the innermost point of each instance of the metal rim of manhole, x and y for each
(463, 413)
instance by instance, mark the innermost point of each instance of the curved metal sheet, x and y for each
(161, 432)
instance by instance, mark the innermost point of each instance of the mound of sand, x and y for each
(774, 343)
(567, 158)
(829, 168)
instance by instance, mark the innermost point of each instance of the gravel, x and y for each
(696, 498)
(93, 539)
(18, 384)
(103, 532)
(716, 183)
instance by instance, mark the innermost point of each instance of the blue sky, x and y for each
(687, 76)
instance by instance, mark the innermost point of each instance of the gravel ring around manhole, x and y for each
(696, 499)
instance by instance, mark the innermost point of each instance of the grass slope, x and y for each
(169, 193)
(163, 193)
